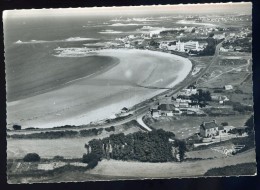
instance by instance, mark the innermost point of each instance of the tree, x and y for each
(31, 157)
(182, 149)
(17, 127)
(58, 158)
(250, 124)
(92, 164)
(87, 158)
(224, 124)
(154, 43)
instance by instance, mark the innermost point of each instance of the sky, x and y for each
(241, 8)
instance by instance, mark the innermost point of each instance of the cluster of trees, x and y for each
(152, 146)
(109, 129)
(62, 134)
(209, 49)
(17, 127)
(91, 159)
(46, 135)
(90, 132)
(250, 124)
(31, 157)
(201, 97)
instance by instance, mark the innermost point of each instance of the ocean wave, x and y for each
(154, 30)
(71, 52)
(125, 24)
(144, 19)
(110, 32)
(193, 22)
(134, 19)
(72, 39)
(103, 44)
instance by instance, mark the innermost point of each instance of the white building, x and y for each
(180, 46)
(228, 87)
(190, 45)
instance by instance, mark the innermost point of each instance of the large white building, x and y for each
(180, 46)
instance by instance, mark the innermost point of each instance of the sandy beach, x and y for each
(100, 96)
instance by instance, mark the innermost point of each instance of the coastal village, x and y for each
(208, 117)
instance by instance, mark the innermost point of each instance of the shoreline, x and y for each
(183, 73)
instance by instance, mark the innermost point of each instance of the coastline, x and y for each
(137, 94)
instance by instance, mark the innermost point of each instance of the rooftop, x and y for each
(209, 125)
(166, 107)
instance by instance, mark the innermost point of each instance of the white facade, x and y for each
(180, 46)
(228, 87)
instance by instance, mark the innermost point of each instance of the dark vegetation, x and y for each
(90, 132)
(31, 157)
(239, 169)
(233, 61)
(58, 158)
(237, 106)
(245, 44)
(91, 159)
(151, 146)
(62, 134)
(17, 127)
(109, 129)
(224, 124)
(209, 49)
(218, 112)
(182, 149)
(250, 125)
(154, 44)
(202, 97)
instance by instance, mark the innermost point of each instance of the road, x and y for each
(142, 108)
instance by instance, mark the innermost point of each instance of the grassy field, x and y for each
(66, 147)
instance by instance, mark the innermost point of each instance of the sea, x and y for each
(30, 43)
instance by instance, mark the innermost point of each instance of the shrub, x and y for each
(58, 158)
(31, 157)
(238, 91)
(224, 124)
(92, 164)
(109, 129)
(17, 127)
(87, 158)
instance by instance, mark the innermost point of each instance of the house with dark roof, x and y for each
(124, 110)
(209, 129)
(166, 109)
